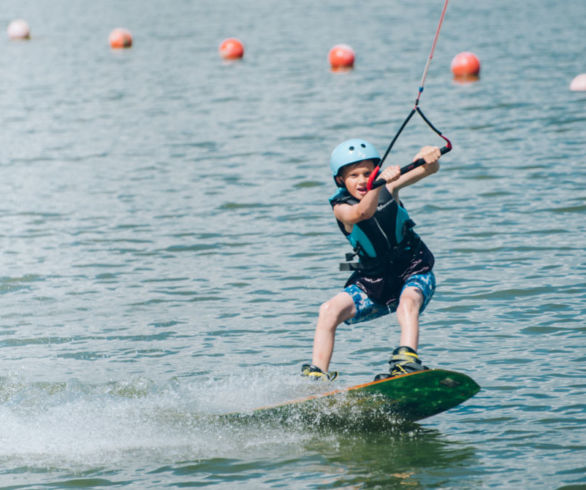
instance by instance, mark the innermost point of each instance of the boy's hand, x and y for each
(430, 154)
(390, 174)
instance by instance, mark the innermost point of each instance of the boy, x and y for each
(394, 269)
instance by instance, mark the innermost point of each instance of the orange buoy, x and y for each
(341, 57)
(578, 83)
(231, 49)
(18, 29)
(120, 38)
(465, 66)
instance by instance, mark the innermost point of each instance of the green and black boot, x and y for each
(404, 360)
(316, 374)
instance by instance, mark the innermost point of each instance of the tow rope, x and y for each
(372, 183)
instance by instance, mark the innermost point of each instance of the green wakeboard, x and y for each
(408, 397)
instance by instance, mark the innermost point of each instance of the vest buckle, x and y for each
(350, 266)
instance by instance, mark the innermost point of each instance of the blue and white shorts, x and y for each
(366, 309)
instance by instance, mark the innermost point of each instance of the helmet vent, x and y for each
(363, 145)
(351, 148)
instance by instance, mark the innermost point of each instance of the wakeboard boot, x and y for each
(404, 360)
(316, 374)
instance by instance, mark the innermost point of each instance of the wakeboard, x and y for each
(408, 397)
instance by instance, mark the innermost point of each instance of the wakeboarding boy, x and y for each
(394, 269)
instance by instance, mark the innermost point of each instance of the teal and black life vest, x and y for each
(384, 238)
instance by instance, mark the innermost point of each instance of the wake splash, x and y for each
(75, 426)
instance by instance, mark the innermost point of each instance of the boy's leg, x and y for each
(414, 297)
(410, 303)
(404, 358)
(333, 312)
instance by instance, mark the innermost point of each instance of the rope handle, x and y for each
(407, 168)
(372, 183)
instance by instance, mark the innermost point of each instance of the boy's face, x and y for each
(355, 177)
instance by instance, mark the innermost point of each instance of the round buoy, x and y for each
(120, 38)
(231, 49)
(341, 57)
(466, 66)
(18, 29)
(578, 83)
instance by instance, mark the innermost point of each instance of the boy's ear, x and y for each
(339, 181)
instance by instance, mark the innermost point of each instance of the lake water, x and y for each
(166, 241)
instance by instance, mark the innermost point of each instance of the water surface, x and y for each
(166, 241)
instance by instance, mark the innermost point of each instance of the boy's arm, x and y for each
(364, 209)
(431, 156)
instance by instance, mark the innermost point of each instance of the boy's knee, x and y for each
(328, 309)
(334, 310)
(411, 299)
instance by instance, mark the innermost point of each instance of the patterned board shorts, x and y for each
(366, 309)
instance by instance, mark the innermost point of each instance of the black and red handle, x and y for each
(412, 165)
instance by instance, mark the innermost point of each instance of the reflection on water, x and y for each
(414, 456)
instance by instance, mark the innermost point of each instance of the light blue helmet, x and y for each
(352, 151)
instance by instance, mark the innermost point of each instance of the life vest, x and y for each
(384, 238)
